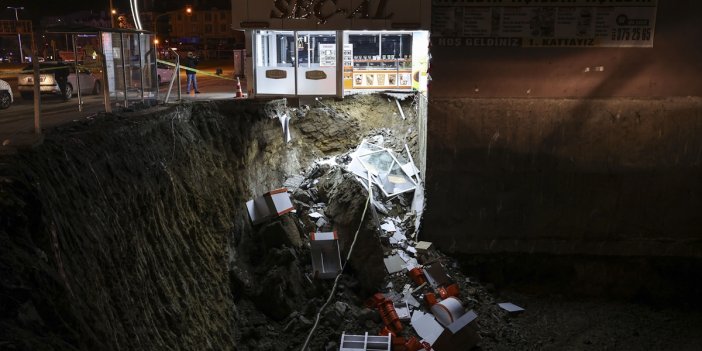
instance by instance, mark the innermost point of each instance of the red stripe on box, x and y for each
(277, 191)
(285, 211)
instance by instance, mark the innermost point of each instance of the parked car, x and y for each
(89, 82)
(165, 73)
(6, 98)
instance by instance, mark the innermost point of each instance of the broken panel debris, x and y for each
(272, 204)
(326, 256)
(365, 342)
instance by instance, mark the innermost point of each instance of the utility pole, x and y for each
(19, 36)
(112, 13)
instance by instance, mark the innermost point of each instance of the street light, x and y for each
(188, 10)
(19, 37)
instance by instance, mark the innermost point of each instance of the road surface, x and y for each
(18, 120)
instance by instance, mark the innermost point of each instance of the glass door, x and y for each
(275, 62)
(316, 63)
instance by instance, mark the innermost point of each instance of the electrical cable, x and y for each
(348, 257)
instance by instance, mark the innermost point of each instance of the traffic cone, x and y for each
(239, 93)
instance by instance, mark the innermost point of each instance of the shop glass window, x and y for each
(208, 17)
(315, 49)
(275, 49)
(365, 45)
(398, 46)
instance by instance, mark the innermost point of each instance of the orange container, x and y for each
(417, 276)
(430, 298)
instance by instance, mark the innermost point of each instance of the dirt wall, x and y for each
(117, 232)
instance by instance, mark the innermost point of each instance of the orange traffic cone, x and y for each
(239, 93)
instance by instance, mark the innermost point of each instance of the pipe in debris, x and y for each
(336, 280)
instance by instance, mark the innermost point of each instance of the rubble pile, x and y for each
(396, 290)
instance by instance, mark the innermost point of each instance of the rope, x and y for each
(186, 68)
(336, 280)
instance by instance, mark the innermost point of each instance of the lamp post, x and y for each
(19, 36)
(113, 12)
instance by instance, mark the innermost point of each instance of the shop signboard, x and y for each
(332, 14)
(545, 23)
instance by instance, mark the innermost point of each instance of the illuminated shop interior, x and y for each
(337, 63)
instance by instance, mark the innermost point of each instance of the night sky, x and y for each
(36, 9)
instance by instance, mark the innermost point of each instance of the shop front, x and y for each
(334, 48)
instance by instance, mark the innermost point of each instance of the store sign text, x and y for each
(315, 9)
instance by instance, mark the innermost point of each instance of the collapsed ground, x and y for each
(130, 232)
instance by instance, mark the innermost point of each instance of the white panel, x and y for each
(285, 86)
(316, 87)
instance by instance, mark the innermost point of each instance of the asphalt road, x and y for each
(18, 121)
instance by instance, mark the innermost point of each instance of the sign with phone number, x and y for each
(537, 25)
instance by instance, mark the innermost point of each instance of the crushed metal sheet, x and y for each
(398, 95)
(404, 256)
(418, 205)
(423, 246)
(436, 275)
(316, 215)
(394, 264)
(388, 226)
(410, 169)
(510, 307)
(357, 168)
(294, 182)
(285, 123)
(402, 310)
(397, 238)
(409, 298)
